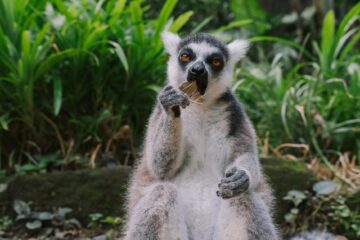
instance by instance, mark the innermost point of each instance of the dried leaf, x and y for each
(190, 89)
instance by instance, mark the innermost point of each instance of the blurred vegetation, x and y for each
(78, 78)
(73, 72)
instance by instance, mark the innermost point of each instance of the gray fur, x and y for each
(235, 182)
(314, 235)
(200, 177)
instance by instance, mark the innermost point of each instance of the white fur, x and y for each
(205, 131)
(197, 182)
(171, 42)
(176, 75)
(238, 49)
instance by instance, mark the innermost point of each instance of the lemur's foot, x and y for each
(172, 99)
(235, 182)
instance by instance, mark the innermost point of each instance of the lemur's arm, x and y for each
(164, 141)
(244, 171)
(245, 154)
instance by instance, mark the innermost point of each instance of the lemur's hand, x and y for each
(172, 99)
(235, 182)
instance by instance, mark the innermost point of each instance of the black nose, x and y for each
(198, 68)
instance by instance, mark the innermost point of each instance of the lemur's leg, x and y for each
(164, 145)
(247, 218)
(157, 216)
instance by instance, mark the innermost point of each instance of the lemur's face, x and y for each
(202, 62)
(201, 58)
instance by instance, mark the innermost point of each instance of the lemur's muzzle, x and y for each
(198, 73)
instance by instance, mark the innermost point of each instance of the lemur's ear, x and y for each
(171, 42)
(238, 49)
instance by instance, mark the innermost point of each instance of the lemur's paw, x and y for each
(172, 99)
(235, 182)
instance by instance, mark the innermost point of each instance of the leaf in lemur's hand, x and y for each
(190, 89)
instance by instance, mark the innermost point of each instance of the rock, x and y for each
(286, 175)
(84, 191)
(103, 190)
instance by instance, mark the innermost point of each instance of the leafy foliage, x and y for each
(98, 62)
(308, 91)
(43, 222)
(324, 208)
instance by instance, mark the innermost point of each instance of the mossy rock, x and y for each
(286, 175)
(85, 191)
(354, 202)
(103, 190)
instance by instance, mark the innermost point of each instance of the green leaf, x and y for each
(136, 19)
(43, 216)
(349, 46)
(117, 11)
(33, 225)
(325, 187)
(234, 25)
(4, 123)
(202, 24)
(41, 35)
(281, 40)
(62, 212)
(327, 40)
(347, 21)
(295, 196)
(3, 187)
(57, 95)
(25, 43)
(164, 17)
(54, 59)
(250, 9)
(120, 53)
(112, 220)
(72, 223)
(21, 208)
(60, 4)
(181, 21)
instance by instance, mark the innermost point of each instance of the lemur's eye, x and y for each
(184, 57)
(216, 62)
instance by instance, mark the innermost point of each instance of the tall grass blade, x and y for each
(164, 17)
(235, 24)
(57, 95)
(181, 21)
(120, 53)
(117, 11)
(327, 41)
(202, 24)
(136, 19)
(283, 41)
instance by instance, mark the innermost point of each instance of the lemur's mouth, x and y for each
(201, 82)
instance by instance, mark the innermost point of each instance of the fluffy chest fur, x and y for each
(205, 139)
(206, 154)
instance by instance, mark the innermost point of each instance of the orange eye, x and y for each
(184, 57)
(216, 62)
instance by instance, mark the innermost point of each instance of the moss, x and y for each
(103, 190)
(86, 192)
(286, 175)
(354, 202)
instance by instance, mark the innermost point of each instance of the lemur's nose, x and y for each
(198, 68)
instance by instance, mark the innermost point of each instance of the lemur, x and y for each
(199, 177)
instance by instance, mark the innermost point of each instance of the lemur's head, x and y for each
(202, 58)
